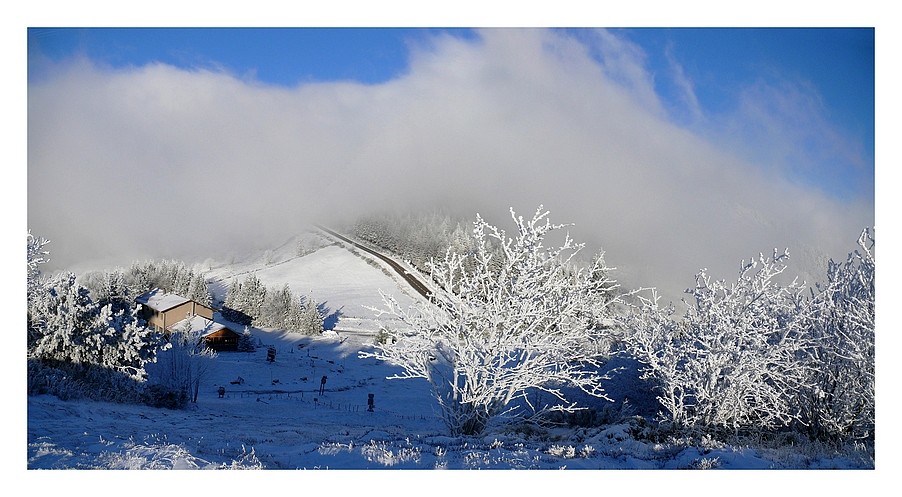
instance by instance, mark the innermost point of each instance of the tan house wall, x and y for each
(163, 320)
(202, 310)
(177, 314)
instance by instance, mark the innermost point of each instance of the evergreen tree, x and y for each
(311, 318)
(254, 294)
(246, 342)
(198, 290)
(244, 300)
(294, 319)
(275, 307)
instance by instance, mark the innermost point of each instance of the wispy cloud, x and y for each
(157, 161)
(685, 87)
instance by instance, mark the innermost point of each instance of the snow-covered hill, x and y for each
(345, 282)
(276, 417)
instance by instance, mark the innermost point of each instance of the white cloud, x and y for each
(158, 161)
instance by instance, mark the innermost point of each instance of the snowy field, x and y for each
(276, 417)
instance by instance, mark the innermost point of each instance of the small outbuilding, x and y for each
(215, 335)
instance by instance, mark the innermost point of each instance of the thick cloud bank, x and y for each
(156, 161)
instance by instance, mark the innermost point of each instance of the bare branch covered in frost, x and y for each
(514, 316)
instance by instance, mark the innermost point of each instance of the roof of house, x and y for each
(199, 324)
(161, 301)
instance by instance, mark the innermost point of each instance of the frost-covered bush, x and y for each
(736, 358)
(167, 397)
(514, 317)
(391, 454)
(184, 365)
(838, 402)
(760, 354)
(82, 381)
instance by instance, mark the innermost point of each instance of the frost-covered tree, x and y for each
(839, 403)
(198, 290)
(736, 358)
(69, 328)
(304, 317)
(417, 238)
(128, 345)
(246, 341)
(110, 287)
(276, 305)
(59, 319)
(181, 278)
(294, 319)
(36, 255)
(169, 276)
(512, 319)
(244, 300)
(311, 318)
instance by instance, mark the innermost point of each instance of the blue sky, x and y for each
(281, 56)
(672, 149)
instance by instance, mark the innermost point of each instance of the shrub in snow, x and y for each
(389, 453)
(158, 395)
(514, 317)
(183, 367)
(735, 359)
(705, 463)
(562, 451)
(838, 401)
(757, 354)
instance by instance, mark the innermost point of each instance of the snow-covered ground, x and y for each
(277, 419)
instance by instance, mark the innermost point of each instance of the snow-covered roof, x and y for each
(159, 300)
(199, 324)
